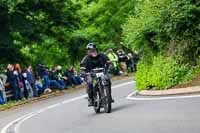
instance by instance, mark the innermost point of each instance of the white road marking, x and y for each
(4, 130)
(132, 94)
(74, 99)
(131, 97)
(16, 128)
(124, 84)
(16, 123)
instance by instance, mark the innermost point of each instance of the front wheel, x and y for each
(97, 103)
(107, 100)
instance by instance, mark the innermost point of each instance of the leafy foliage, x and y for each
(40, 30)
(169, 28)
(102, 21)
(162, 73)
(57, 31)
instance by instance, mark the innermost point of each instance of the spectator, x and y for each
(129, 62)
(31, 79)
(68, 78)
(39, 86)
(122, 60)
(20, 81)
(114, 61)
(61, 77)
(76, 80)
(44, 76)
(28, 88)
(2, 92)
(55, 81)
(42, 70)
(2, 87)
(12, 82)
(136, 59)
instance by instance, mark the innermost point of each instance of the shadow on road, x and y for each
(122, 107)
(116, 107)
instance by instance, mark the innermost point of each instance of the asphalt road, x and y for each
(128, 116)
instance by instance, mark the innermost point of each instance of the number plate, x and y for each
(99, 74)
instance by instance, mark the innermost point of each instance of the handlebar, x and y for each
(96, 70)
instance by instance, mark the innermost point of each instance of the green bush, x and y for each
(191, 74)
(170, 27)
(162, 73)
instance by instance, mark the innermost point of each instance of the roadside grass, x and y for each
(10, 104)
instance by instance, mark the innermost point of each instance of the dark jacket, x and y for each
(54, 76)
(98, 62)
(43, 71)
(30, 77)
(122, 56)
(11, 79)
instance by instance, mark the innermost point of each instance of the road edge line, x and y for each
(130, 97)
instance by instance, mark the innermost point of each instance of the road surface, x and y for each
(70, 114)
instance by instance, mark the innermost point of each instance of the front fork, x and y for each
(99, 85)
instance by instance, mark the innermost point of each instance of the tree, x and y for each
(102, 22)
(42, 27)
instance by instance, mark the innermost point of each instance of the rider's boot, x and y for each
(112, 100)
(90, 99)
(90, 102)
(90, 95)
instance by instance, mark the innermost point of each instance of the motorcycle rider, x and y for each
(93, 60)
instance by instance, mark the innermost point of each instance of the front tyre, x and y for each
(97, 103)
(108, 100)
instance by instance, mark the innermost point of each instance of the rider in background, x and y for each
(93, 60)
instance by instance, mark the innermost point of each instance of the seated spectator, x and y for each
(12, 82)
(67, 78)
(55, 81)
(61, 76)
(48, 83)
(39, 87)
(76, 80)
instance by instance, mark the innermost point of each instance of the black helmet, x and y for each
(91, 46)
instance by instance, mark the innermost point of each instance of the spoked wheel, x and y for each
(107, 100)
(97, 103)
